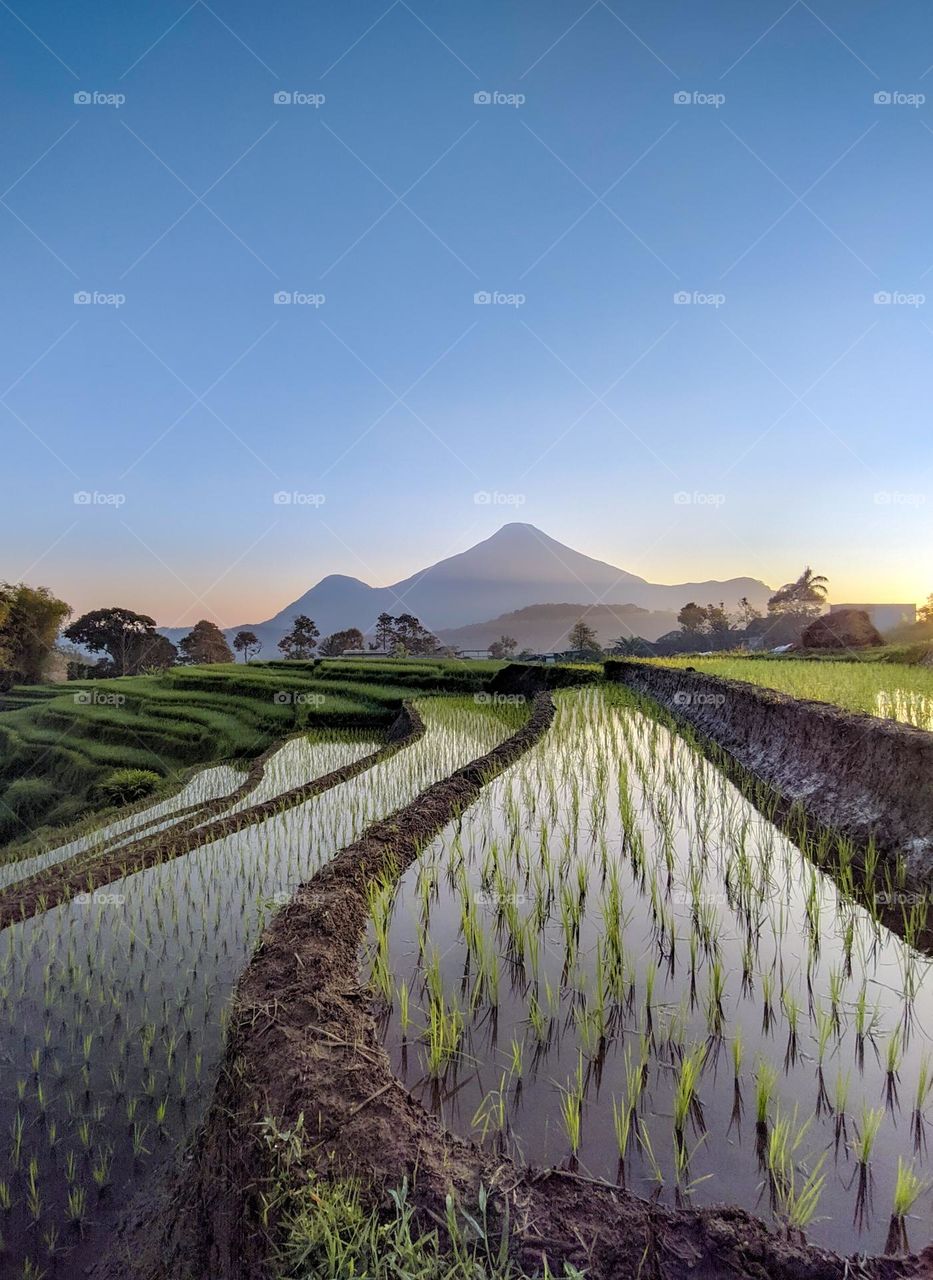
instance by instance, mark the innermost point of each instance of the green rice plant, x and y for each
(685, 1088)
(908, 1189)
(765, 1081)
(866, 1133)
(797, 1204)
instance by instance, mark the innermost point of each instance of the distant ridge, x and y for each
(519, 566)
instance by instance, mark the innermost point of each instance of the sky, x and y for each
(341, 287)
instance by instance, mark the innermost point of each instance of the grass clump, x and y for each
(126, 785)
(331, 1231)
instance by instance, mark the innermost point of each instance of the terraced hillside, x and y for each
(60, 743)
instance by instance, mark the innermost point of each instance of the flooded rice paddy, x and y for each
(113, 1007)
(615, 963)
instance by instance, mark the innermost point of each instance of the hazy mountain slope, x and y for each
(544, 628)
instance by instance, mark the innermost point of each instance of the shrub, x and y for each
(125, 785)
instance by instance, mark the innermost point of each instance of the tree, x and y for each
(334, 645)
(300, 642)
(30, 618)
(582, 636)
(692, 618)
(632, 647)
(410, 635)
(126, 637)
(718, 621)
(385, 629)
(153, 652)
(247, 643)
(925, 612)
(747, 611)
(504, 647)
(205, 642)
(801, 599)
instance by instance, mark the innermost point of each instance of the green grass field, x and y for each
(895, 690)
(59, 743)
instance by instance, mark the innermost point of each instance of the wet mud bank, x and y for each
(62, 881)
(866, 778)
(303, 1050)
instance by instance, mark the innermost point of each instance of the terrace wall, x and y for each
(856, 773)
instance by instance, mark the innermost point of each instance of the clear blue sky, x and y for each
(794, 415)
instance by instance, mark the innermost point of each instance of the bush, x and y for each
(29, 797)
(23, 804)
(125, 785)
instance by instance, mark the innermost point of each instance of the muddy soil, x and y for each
(303, 1043)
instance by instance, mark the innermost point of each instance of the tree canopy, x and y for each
(30, 618)
(129, 639)
(205, 642)
(301, 641)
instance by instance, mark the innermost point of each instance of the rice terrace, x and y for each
(590, 952)
(466, 640)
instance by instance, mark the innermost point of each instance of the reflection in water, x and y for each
(615, 961)
(112, 1009)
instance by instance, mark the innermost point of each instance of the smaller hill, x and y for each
(544, 628)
